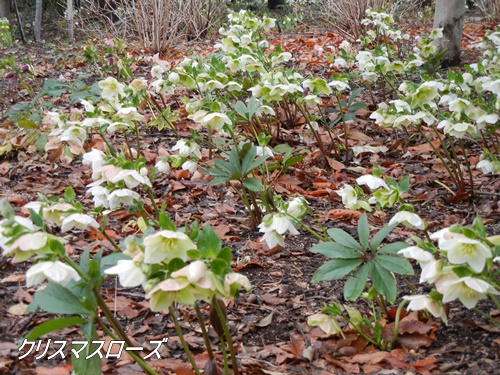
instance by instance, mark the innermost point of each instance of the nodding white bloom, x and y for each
(327, 323)
(279, 222)
(409, 219)
(172, 290)
(87, 105)
(111, 88)
(117, 126)
(138, 84)
(216, 121)
(372, 182)
(106, 173)
(95, 157)
(131, 178)
(122, 196)
(340, 63)
(273, 239)
(163, 87)
(420, 255)
(100, 196)
(190, 166)
(54, 213)
(56, 118)
(487, 118)
(461, 250)
(317, 86)
(401, 105)
(350, 198)
(238, 279)
(129, 113)
(166, 245)
(444, 235)
(425, 302)
(345, 45)
(233, 86)
(56, 272)
(426, 93)
(468, 290)
(432, 271)
(90, 122)
(187, 148)
(75, 134)
(80, 221)
(157, 71)
(488, 166)
(297, 207)
(458, 130)
(339, 85)
(211, 85)
(264, 151)
(129, 273)
(194, 271)
(493, 86)
(162, 165)
(27, 245)
(311, 100)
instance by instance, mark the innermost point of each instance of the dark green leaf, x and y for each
(355, 285)
(335, 269)
(194, 254)
(335, 250)
(393, 247)
(252, 184)
(56, 299)
(6, 209)
(363, 231)
(53, 325)
(381, 235)
(176, 264)
(394, 264)
(226, 254)
(343, 238)
(383, 281)
(208, 242)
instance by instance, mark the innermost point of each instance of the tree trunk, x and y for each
(4, 8)
(449, 15)
(70, 19)
(274, 4)
(38, 20)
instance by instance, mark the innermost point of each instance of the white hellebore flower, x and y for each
(166, 244)
(187, 148)
(339, 85)
(125, 196)
(421, 302)
(273, 239)
(297, 208)
(162, 165)
(80, 221)
(409, 219)
(56, 272)
(327, 323)
(420, 255)
(194, 271)
(190, 166)
(111, 88)
(216, 121)
(157, 71)
(131, 178)
(129, 273)
(372, 182)
(264, 151)
(468, 290)
(462, 250)
(236, 278)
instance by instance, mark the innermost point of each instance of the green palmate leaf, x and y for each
(335, 250)
(208, 242)
(6, 209)
(218, 266)
(226, 255)
(394, 264)
(41, 142)
(343, 238)
(363, 231)
(380, 236)
(241, 109)
(194, 254)
(53, 325)
(335, 269)
(355, 285)
(383, 281)
(55, 88)
(36, 218)
(393, 247)
(176, 264)
(56, 246)
(252, 184)
(56, 299)
(218, 180)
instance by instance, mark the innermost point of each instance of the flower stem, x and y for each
(396, 323)
(227, 334)
(183, 341)
(204, 332)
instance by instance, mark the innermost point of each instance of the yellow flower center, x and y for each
(469, 249)
(468, 291)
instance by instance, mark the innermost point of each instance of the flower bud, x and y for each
(25, 68)
(9, 75)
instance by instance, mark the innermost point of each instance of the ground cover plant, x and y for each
(197, 179)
